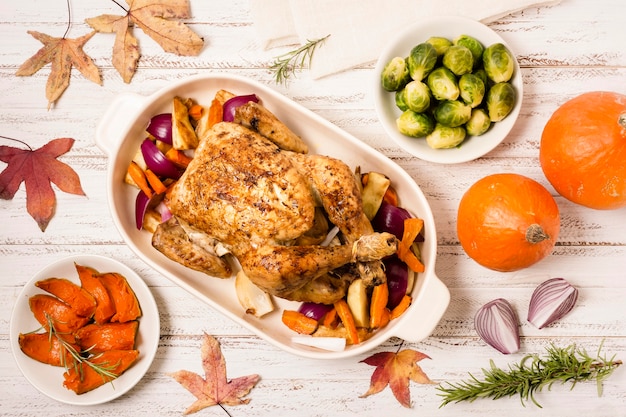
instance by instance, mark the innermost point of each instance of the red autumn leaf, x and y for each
(155, 19)
(37, 169)
(396, 370)
(214, 389)
(62, 54)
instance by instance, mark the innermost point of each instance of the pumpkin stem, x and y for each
(535, 234)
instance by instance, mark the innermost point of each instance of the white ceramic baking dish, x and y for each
(119, 134)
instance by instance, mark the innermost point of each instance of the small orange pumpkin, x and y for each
(507, 222)
(583, 150)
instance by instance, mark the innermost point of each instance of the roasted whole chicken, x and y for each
(253, 193)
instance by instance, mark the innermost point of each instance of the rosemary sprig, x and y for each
(287, 64)
(84, 357)
(533, 373)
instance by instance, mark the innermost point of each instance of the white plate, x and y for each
(49, 379)
(449, 27)
(119, 134)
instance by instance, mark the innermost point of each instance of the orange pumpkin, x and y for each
(507, 222)
(583, 150)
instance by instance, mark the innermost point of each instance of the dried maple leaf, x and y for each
(396, 370)
(62, 54)
(37, 169)
(154, 19)
(214, 388)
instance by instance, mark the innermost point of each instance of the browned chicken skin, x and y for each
(258, 202)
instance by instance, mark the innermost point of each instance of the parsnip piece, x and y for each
(359, 303)
(373, 193)
(183, 133)
(253, 299)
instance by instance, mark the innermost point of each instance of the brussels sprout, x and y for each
(458, 59)
(482, 74)
(452, 113)
(441, 44)
(401, 99)
(443, 84)
(500, 101)
(415, 124)
(395, 74)
(471, 89)
(478, 123)
(422, 60)
(498, 62)
(473, 45)
(443, 137)
(417, 96)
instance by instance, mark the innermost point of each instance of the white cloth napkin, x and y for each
(359, 29)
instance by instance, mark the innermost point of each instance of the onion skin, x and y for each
(551, 301)
(497, 325)
(231, 104)
(160, 127)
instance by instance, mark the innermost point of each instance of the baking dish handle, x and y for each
(115, 120)
(420, 320)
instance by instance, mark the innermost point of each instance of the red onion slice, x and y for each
(315, 311)
(160, 127)
(397, 274)
(157, 162)
(550, 301)
(141, 205)
(497, 325)
(231, 104)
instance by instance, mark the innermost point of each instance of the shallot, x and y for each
(550, 301)
(497, 325)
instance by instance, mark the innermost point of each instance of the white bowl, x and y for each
(449, 27)
(49, 379)
(119, 134)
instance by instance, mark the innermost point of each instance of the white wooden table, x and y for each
(563, 50)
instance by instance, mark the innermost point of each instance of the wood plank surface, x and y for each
(563, 50)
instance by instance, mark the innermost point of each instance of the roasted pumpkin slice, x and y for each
(105, 308)
(63, 317)
(84, 378)
(46, 348)
(126, 304)
(97, 338)
(83, 303)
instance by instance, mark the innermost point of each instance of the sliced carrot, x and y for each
(398, 310)
(412, 228)
(298, 322)
(195, 111)
(385, 317)
(178, 157)
(344, 313)
(378, 305)
(155, 182)
(216, 112)
(330, 318)
(139, 177)
(391, 196)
